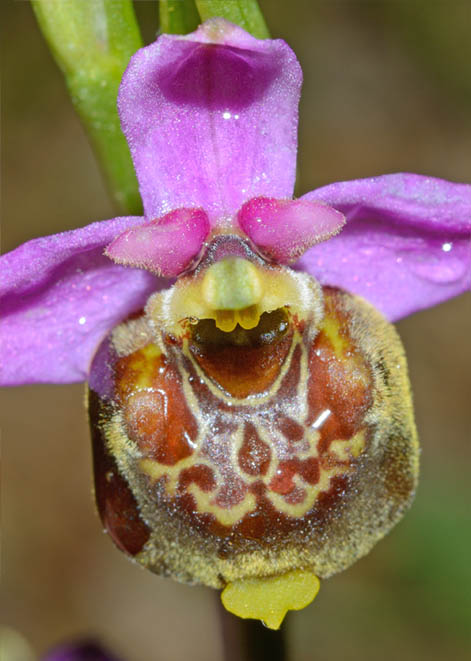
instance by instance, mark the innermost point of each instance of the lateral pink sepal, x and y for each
(285, 229)
(165, 246)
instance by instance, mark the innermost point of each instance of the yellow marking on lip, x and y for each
(142, 363)
(313, 490)
(342, 451)
(357, 444)
(331, 328)
(205, 500)
(270, 598)
(227, 516)
(345, 450)
(156, 470)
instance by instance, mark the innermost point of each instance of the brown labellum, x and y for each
(285, 443)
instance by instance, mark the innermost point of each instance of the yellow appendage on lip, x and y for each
(269, 599)
(234, 292)
(233, 288)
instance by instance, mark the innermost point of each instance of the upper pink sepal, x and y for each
(211, 119)
(165, 246)
(285, 229)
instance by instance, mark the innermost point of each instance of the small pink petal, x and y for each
(285, 229)
(166, 246)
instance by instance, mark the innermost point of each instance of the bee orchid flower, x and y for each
(80, 651)
(248, 396)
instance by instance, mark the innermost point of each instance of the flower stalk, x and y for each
(92, 42)
(244, 13)
(178, 16)
(249, 640)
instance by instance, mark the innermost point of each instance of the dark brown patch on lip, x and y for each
(242, 370)
(291, 429)
(116, 504)
(243, 362)
(254, 455)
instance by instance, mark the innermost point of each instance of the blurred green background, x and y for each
(387, 88)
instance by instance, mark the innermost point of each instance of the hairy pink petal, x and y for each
(285, 229)
(211, 119)
(59, 297)
(166, 246)
(406, 245)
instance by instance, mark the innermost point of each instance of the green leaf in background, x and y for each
(178, 16)
(92, 42)
(245, 13)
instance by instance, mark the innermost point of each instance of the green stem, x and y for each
(245, 13)
(178, 16)
(92, 42)
(249, 640)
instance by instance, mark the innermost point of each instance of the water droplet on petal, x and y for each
(437, 267)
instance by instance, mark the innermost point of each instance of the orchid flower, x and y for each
(251, 420)
(83, 651)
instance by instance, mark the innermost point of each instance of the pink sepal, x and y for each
(211, 119)
(406, 245)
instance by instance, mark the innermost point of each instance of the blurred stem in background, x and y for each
(178, 16)
(250, 640)
(92, 42)
(245, 13)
